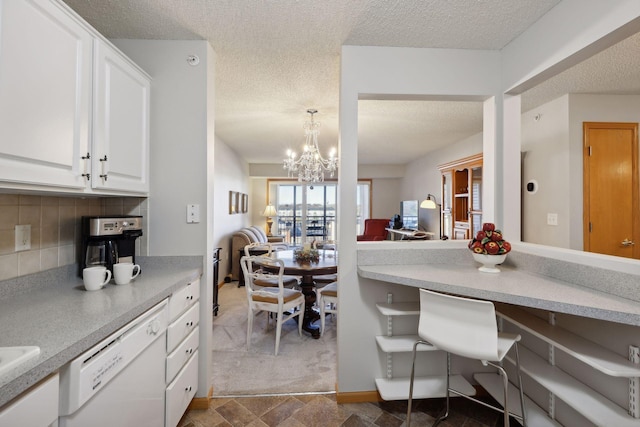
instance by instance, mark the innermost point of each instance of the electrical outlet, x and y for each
(552, 219)
(193, 213)
(23, 237)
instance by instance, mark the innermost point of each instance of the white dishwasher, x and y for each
(120, 381)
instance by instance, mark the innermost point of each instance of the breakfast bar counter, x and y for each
(511, 286)
(578, 315)
(53, 311)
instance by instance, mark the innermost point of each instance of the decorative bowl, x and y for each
(489, 262)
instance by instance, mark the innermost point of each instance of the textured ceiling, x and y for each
(276, 59)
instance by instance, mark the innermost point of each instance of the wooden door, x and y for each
(611, 210)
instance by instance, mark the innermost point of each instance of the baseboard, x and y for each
(201, 403)
(374, 396)
(358, 396)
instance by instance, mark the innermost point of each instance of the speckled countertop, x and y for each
(512, 286)
(52, 310)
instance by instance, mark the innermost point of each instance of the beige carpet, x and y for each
(303, 364)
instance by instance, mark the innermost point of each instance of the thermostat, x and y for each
(532, 186)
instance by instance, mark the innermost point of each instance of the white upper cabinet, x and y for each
(45, 89)
(74, 111)
(120, 155)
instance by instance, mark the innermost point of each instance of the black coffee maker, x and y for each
(108, 240)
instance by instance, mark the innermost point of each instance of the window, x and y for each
(310, 210)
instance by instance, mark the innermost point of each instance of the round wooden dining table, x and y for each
(327, 264)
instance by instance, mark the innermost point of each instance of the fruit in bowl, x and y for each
(489, 241)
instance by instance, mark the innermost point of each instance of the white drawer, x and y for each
(37, 407)
(180, 328)
(177, 359)
(183, 299)
(180, 392)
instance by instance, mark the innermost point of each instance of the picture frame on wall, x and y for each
(233, 202)
(245, 203)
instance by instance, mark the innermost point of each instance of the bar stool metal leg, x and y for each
(518, 373)
(413, 368)
(448, 388)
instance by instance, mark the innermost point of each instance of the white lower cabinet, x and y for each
(35, 408)
(182, 351)
(181, 355)
(181, 390)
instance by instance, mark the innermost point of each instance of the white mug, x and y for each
(124, 272)
(95, 277)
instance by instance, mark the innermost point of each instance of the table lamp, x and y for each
(269, 211)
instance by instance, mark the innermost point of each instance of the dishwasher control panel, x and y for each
(91, 371)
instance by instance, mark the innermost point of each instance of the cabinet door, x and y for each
(37, 407)
(45, 88)
(475, 199)
(447, 196)
(120, 156)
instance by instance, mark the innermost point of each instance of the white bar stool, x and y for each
(468, 328)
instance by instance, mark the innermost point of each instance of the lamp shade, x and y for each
(429, 202)
(269, 211)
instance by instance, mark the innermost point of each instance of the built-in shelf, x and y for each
(585, 400)
(401, 343)
(536, 416)
(399, 308)
(594, 355)
(423, 387)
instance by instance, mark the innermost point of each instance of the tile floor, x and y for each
(323, 411)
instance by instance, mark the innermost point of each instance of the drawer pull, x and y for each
(190, 351)
(189, 324)
(189, 297)
(187, 389)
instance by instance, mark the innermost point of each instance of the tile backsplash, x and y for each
(55, 229)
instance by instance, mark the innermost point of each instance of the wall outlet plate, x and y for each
(193, 213)
(23, 237)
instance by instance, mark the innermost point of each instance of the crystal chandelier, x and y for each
(311, 166)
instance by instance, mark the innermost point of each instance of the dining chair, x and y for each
(328, 301)
(331, 249)
(283, 302)
(468, 328)
(256, 248)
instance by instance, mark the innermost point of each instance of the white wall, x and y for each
(552, 155)
(423, 177)
(385, 197)
(181, 146)
(231, 174)
(545, 159)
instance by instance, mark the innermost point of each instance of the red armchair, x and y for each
(374, 230)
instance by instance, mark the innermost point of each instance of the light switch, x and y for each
(23, 237)
(193, 213)
(552, 219)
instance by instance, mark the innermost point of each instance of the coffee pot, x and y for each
(101, 253)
